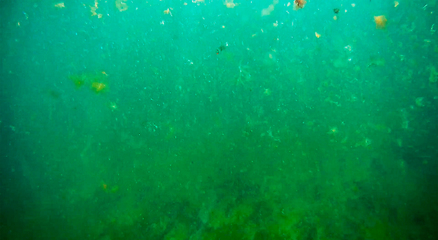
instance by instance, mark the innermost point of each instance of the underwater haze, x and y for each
(204, 119)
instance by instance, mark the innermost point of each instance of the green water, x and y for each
(183, 120)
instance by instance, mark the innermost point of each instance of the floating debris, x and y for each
(380, 21)
(269, 9)
(298, 4)
(221, 48)
(97, 81)
(98, 87)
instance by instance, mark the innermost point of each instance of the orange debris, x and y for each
(380, 21)
(298, 4)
